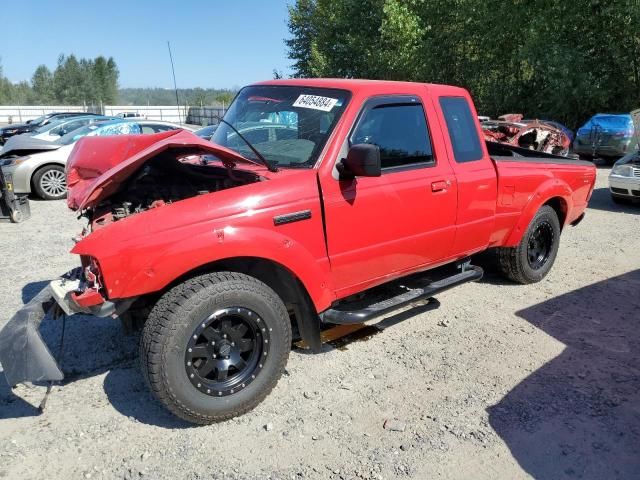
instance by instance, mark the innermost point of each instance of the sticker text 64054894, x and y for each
(315, 102)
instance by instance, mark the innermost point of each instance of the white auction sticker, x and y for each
(315, 102)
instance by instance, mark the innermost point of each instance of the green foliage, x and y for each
(549, 58)
(165, 96)
(42, 85)
(74, 82)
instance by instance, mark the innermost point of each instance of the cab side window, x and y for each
(463, 132)
(400, 130)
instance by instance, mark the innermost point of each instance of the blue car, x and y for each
(605, 135)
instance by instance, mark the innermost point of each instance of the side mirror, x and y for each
(363, 160)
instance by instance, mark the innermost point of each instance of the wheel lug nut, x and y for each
(224, 335)
(233, 344)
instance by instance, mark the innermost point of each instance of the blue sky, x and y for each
(220, 44)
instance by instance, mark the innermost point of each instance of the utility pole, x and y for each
(175, 85)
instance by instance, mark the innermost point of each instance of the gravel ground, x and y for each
(501, 381)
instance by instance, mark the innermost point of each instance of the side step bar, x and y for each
(344, 316)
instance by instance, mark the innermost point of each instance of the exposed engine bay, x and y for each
(164, 179)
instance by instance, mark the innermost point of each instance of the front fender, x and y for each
(158, 268)
(552, 188)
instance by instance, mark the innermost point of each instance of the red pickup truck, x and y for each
(310, 196)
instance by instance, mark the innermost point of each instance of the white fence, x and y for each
(167, 113)
(17, 114)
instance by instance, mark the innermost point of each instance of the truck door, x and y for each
(380, 227)
(475, 173)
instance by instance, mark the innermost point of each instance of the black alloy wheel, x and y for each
(226, 351)
(540, 245)
(214, 346)
(531, 259)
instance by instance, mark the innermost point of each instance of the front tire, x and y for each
(531, 260)
(50, 182)
(215, 346)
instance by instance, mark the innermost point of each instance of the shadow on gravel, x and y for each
(578, 416)
(601, 200)
(88, 352)
(128, 394)
(12, 406)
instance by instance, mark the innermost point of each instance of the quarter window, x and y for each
(462, 129)
(400, 130)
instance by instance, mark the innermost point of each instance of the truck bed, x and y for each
(522, 173)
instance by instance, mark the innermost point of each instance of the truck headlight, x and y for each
(622, 170)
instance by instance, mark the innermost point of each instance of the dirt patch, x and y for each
(500, 381)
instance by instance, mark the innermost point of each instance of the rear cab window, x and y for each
(398, 126)
(462, 129)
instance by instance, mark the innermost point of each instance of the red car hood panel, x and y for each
(98, 165)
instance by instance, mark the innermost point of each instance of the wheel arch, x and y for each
(553, 193)
(286, 284)
(559, 205)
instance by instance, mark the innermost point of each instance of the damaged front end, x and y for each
(111, 179)
(538, 135)
(24, 355)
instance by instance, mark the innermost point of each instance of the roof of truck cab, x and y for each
(367, 86)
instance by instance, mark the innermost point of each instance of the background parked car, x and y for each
(605, 135)
(566, 130)
(624, 179)
(59, 128)
(31, 125)
(206, 132)
(130, 115)
(38, 166)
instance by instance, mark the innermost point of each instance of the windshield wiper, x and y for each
(265, 162)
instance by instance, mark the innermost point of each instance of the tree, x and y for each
(225, 98)
(68, 80)
(5, 88)
(546, 59)
(42, 86)
(302, 26)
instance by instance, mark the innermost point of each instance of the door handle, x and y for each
(440, 185)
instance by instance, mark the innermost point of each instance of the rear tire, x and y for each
(533, 257)
(215, 346)
(50, 182)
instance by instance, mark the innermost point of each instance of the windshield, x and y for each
(49, 126)
(102, 129)
(38, 121)
(288, 125)
(613, 121)
(71, 137)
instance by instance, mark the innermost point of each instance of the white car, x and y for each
(43, 172)
(130, 115)
(624, 179)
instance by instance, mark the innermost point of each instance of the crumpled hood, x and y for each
(98, 166)
(25, 144)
